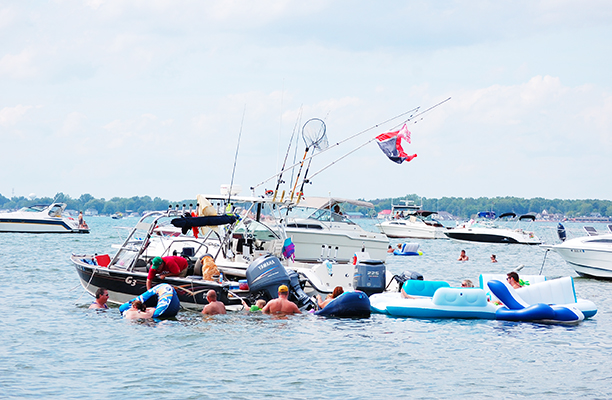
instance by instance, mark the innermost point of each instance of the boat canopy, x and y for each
(527, 217)
(330, 202)
(508, 214)
(486, 214)
(425, 214)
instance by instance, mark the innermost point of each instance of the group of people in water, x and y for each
(464, 257)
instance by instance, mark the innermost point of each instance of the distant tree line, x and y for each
(469, 207)
(102, 206)
(457, 206)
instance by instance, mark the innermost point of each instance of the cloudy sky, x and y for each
(133, 98)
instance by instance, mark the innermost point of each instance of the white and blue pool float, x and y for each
(348, 305)
(168, 303)
(551, 301)
(408, 249)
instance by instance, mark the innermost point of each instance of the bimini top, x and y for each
(330, 202)
(508, 214)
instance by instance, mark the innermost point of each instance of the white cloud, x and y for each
(18, 66)
(12, 115)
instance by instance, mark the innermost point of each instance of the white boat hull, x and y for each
(589, 256)
(339, 246)
(492, 235)
(407, 229)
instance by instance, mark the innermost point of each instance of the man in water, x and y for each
(166, 266)
(463, 256)
(282, 305)
(213, 307)
(513, 280)
(101, 299)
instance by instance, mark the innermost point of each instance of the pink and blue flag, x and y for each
(391, 144)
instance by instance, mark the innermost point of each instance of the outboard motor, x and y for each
(370, 276)
(406, 276)
(266, 274)
(561, 232)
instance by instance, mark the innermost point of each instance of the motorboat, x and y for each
(320, 231)
(589, 256)
(117, 215)
(486, 229)
(409, 221)
(40, 219)
(235, 240)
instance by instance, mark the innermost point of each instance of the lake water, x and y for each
(54, 347)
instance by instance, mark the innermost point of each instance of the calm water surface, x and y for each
(54, 347)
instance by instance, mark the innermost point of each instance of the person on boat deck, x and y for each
(166, 266)
(101, 299)
(513, 280)
(139, 310)
(467, 283)
(463, 256)
(258, 306)
(282, 305)
(213, 307)
(82, 223)
(493, 258)
(337, 214)
(337, 292)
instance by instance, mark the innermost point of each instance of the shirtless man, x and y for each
(281, 305)
(463, 256)
(213, 307)
(101, 299)
(139, 310)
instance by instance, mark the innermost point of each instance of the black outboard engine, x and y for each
(370, 276)
(406, 276)
(561, 232)
(266, 274)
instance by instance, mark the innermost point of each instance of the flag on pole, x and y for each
(391, 144)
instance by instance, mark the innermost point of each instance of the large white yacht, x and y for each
(588, 255)
(486, 230)
(409, 221)
(320, 230)
(40, 219)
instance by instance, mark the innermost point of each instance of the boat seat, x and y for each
(423, 288)
(590, 231)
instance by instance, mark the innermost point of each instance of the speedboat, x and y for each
(40, 219)
(589, 255)
(485, 229)
(320, 232)
(409, 221)
(235, 241)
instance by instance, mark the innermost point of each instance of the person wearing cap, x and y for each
(282, 305)
(166, 266)
(213, 307)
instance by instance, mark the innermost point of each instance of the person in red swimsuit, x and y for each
(166, 266)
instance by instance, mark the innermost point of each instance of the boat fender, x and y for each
(348, 305)
(168, 303)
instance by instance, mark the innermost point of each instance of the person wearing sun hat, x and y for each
(282, 305)
(166, 266)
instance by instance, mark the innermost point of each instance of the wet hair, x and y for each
(139, 305)
(467, 283)
(337, 291)
(100, 292)
(513, 275)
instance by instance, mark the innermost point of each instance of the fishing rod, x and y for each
(280, 175)
(229, 193)
(313, 133)
(338, 143)
(371, 140)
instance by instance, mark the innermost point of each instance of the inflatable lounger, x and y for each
(544, 307)
(447, 302)
(168, 303)
(527, 279)
(408, 249)
(348, 305)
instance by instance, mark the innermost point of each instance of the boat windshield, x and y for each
(33, 209)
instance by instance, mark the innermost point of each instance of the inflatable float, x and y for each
(348, 305)
(163, 295)
(408, 249)
(548, 301)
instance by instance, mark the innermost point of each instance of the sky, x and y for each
(174, 98)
